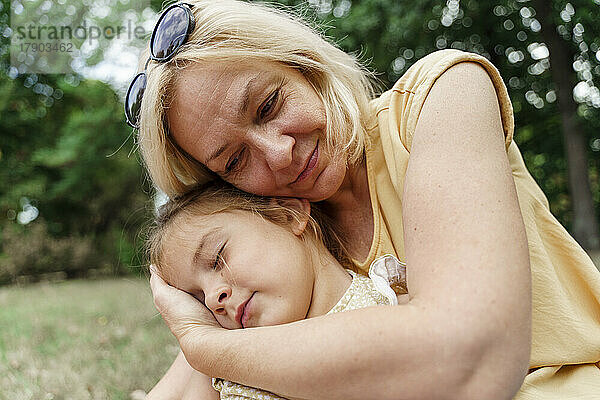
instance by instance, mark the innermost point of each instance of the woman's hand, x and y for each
(185, 316)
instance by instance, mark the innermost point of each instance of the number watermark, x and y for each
(47, 47)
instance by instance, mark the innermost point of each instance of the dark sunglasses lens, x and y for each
(133, 103)
(170, 33)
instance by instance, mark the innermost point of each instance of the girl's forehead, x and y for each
(188, 224)
(187, 238)
(193, 226)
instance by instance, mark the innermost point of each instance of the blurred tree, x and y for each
(56, 144)
(562, 55)
(67, 203)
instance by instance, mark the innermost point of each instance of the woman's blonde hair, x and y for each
(216, 197)
(230, 30)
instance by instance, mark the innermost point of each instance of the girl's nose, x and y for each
(217, 300)
(276, 148)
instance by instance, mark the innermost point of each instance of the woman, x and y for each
(427, 171)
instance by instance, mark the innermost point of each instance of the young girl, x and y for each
(256, 261)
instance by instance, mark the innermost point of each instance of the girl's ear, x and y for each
(299, 220)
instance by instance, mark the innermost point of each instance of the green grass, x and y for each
(81, 340)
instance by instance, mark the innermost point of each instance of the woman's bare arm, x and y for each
(464, 232)
(465, 332)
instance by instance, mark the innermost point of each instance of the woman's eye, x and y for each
(234, 162)
(268, 106)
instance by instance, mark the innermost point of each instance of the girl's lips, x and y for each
(310, 165)
(245, 312)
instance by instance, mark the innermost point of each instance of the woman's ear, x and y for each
(299, 219)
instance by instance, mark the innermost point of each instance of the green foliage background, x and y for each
(60, 134)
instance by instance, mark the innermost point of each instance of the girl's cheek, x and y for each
(223, 322)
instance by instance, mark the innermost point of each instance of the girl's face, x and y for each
(260, 126)
(248, 271)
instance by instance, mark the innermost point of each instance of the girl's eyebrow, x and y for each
(200, 249)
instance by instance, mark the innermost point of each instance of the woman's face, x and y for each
(260, 126)
(248, 271)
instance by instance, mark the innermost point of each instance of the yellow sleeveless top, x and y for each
(566, 284)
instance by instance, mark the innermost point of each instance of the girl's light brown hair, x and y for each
(232, 30)
(218, 197)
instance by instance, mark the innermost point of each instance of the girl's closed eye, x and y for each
(219, 260)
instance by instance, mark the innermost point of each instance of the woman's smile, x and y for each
(310, 165)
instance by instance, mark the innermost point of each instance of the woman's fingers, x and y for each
(164, 294)
(180, 310)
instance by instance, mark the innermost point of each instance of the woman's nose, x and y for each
(276, 148)
(217, 300)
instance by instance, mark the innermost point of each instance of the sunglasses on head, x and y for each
(170, 33)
